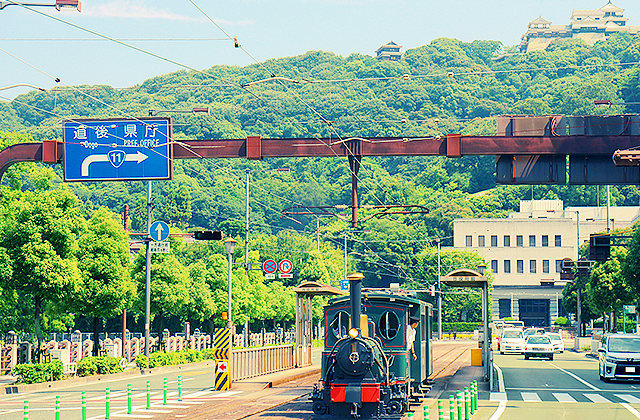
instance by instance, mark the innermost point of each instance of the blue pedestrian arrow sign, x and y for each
(159, 231)
(117, 150)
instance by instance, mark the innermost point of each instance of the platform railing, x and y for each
(248, 363)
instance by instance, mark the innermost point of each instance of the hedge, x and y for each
(101, 365)
(460, 326)
(32, 373)
(161, 358)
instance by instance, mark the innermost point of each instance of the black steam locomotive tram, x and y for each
(368, 369)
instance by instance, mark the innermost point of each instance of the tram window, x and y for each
(340, 324)
(389, 325)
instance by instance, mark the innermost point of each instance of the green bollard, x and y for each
(57, 407)
(471, 398)
(26, 410)
(440, 410)
(148, 395)
(410, 415)
(452, 408)
(467, 401)
(108, 404)
(475, 392)
(426, 412)
(84, 405)
(164, 392)
(179, 388)
(128, 398)
(459, 404)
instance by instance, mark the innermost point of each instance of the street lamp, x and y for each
(154, 112)
(230, 246)
(59, 4)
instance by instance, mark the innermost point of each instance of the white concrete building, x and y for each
(525, 250)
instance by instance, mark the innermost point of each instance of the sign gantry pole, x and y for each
(147, 288)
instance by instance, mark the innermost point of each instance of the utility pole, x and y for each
(246, 227)
(439, 295)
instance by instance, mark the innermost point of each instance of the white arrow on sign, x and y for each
(159, 230)
(137, 157)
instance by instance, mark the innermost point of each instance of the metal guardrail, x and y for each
(247, 363)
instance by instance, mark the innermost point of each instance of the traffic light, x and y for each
(599, 247)
(207, 235)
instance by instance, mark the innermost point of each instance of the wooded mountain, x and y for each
(444, 87)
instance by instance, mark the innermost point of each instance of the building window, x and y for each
(494, 266)
(558, 240)
(481, 241)
(532, 240)
(468, 241)
(520, 266)
(545, 266)
(494, 240)
(504, 308)
(507, 266)
(507, 240)
(545, 240)
(558, 266)
(532, 266)
(519, 240)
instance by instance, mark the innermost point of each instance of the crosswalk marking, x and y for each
(628, 398)
(530, 397)
(563, 397)
(597, 398)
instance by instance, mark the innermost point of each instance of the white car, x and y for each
(538, 346)
(511, 341)
(557, 342)
(619, 357)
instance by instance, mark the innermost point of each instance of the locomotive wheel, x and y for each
(319, 408)
(394, 407)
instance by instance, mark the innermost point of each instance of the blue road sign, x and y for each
(344, 284)
(117, 150)
(159, 231)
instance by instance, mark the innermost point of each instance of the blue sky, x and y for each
(265, 28)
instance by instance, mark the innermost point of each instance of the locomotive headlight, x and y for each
(353, 333)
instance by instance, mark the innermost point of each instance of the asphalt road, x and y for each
(566, 388)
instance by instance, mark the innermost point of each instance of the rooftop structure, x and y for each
(589, 25)
(389, 52)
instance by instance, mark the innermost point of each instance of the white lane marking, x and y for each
(597, 398)
(628, 398)
(500, 378)
(530, 397)
(501, 407)
(631, 409)
(576, 377)
(498, 396)
(129, 416)
(169, 406)
(563, 397)
(111, 396)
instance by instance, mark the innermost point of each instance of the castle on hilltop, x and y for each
(589, 25)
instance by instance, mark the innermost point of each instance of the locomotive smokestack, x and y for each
(355, 287)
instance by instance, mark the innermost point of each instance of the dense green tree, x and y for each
(608, 287)
(104, 263)
(39, 234)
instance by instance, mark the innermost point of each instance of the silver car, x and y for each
(619, 356)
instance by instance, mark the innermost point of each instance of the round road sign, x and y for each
(269, 266)
(285, 266)
(159, 231)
